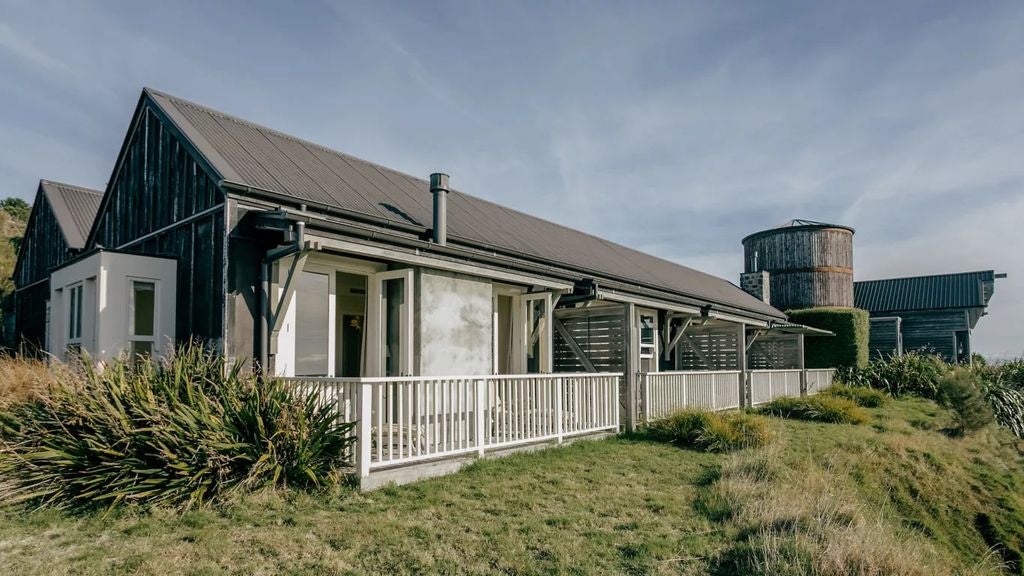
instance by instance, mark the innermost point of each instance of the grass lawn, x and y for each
(613, 506)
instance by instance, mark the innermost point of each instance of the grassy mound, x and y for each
(712, 431)
(897, 497)
(179, 433)
(865, 397)
(819, 408)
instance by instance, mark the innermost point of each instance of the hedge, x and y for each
(849, 346)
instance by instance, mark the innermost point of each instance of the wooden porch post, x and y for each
(630, 364)
(741, 360)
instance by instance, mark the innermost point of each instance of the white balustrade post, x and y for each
(559, 416)
(364, 437)
(481, 422)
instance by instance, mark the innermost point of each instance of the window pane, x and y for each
(394, 293)
(142, 349)
(144, 305)
(75, 320)
(647, 330)
(312, 293)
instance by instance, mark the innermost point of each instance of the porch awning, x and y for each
(790, 328)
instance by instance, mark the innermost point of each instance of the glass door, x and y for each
(537, 344)
(389, 349)
(313, 353)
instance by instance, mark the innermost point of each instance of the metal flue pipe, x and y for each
(439, 188)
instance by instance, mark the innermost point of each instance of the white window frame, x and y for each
(155, 348)
(647, 350)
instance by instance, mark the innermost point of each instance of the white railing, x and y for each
(666, 392)
(403, 420)
(767, 385)
(820, 379)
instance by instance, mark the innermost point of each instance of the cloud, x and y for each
(24, 49)
(673, 128)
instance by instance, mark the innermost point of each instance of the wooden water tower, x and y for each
(801, 264)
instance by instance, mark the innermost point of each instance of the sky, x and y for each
(676, 128)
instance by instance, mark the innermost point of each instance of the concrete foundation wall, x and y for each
(453, 324)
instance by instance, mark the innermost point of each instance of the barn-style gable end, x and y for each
(163, 201)
(57, 229)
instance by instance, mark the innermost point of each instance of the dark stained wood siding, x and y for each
(807, 267)
(159, 184)
(43, 246)
(884, 337)
(42, 249)
(933, 330)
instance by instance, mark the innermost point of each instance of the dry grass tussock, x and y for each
(23, 378)
(807, 520)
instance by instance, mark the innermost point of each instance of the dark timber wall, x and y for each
(885, 337)
(162, 201)
(43, 248)
(934, 330)
(808, 266)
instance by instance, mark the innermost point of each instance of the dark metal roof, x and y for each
(252, 155)
(941, 291)
(74, 208)
(796, 224)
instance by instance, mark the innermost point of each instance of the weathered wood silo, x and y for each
(809, 264)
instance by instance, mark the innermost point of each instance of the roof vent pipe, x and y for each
(439, 188)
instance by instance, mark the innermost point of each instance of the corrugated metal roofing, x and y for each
(256, 156)
(74, 208)
(960, 290)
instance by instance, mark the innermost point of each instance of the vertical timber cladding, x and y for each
(808, 265)
(884, 338)
(43, 248)
(159, 183)
(599, 333)
(933, 331)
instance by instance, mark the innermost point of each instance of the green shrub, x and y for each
(711, 431)
(866, 397)
(181, 432)
(915, 373)
(849, 346)
(818, 408)
(961, 391)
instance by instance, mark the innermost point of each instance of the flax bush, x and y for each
(180, 432)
